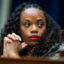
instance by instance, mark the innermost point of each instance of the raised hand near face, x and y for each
(13, 45)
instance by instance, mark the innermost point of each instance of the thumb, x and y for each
(23, 45)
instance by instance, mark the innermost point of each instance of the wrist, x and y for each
(13, 55)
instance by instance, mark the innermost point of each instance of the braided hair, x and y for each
(51, 36)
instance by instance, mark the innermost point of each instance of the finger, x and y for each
(6, 40)
(23, 45)
(11, 37)
(16, 36)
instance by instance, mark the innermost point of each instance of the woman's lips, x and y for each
(34, 37)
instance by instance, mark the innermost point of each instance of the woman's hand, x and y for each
(13, 45)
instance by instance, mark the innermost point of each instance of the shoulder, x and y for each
(59, 52)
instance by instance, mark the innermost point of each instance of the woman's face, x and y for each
(32, 25)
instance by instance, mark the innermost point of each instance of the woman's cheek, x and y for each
(42, 31)
(25, 34)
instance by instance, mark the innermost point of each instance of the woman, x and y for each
(29, 32)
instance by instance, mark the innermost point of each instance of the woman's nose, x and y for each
(34, 29)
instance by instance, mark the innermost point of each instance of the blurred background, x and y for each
(55, 8)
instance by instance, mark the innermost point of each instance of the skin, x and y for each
(32, 22)
(12, 46)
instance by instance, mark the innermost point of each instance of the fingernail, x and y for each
(20, 39)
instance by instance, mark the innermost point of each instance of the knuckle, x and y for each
(8, 34)
(5, 38)
(13, 34)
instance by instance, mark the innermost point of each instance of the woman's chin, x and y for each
(32, 43)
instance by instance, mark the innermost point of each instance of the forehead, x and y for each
(32, 12)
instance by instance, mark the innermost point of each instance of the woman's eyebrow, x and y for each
(40, 20)
(26, 20)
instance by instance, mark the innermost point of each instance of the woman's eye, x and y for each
(27, 24)
(40, 25)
